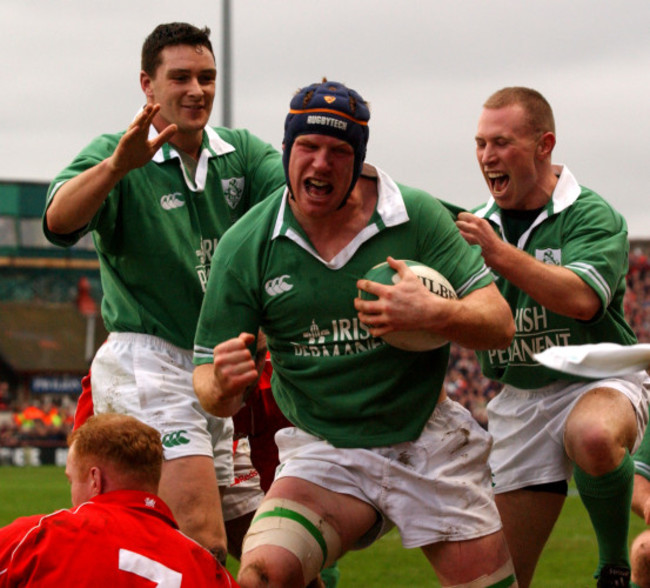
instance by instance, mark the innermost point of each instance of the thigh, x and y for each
(460, 562)
(351, 517)
(431, 481)
(528, 518)
(189, 487)
(299, 529)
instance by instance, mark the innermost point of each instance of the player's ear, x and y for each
(145, 84)
(96, 480)
(545, 145)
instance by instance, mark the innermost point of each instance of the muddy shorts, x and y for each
(245, 494)
(436, 488)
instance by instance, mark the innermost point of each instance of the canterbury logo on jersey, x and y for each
(278, 285)
(171, 201)
(175, 439)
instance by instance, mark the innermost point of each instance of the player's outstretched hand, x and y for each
(135, 149)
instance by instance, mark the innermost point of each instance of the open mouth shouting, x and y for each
(498, 182)
(317, 188)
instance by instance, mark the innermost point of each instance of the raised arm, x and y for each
(78, 200)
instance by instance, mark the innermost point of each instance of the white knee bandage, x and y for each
(504, 577)
(301, 531)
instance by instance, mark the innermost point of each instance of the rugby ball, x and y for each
(436, 284)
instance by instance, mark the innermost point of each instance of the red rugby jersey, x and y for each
(123, 538)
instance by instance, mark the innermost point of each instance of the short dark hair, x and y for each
(537, 108)
(168, 34)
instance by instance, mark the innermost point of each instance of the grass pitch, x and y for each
(569, 558)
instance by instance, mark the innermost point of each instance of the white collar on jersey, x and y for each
(216, 147)
(390, 208)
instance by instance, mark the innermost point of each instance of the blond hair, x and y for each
(538, 111)
(135, 449)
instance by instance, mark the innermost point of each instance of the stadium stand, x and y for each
(49, 326)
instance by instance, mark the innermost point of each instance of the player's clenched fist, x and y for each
(220, 386)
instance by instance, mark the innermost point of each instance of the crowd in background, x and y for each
(48, 420)
(43, 421)
(637, 297)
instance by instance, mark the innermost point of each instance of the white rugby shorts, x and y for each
(148, 378)
(434, 489)
(528, 428)
(245, 494)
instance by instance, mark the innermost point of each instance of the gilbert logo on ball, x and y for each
(434, 281)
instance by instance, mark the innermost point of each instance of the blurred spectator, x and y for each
(4, 396)
(637, 297)
(46, 422)
(466, 384)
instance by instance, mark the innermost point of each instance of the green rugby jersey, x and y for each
(580, 231)
(157, 231)
(331, 378)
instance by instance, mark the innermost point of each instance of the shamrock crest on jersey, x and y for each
(233, 190)
(549, 256)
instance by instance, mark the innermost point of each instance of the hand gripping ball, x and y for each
(435, 282)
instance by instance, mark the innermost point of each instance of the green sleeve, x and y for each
(94, 153)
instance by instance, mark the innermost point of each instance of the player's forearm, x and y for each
(480, 320)
(78, 200)
(556, 288)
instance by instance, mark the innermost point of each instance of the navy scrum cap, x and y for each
(328, 108)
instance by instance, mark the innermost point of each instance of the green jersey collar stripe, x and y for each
(286, 513)
(285, 229)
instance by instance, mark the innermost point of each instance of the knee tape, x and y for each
(504, 577)
(301, 531)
